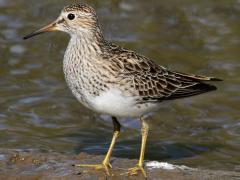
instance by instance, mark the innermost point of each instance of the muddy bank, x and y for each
(34, 165)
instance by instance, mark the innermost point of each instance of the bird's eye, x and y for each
(71, 16)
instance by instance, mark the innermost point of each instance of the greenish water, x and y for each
(37, 111)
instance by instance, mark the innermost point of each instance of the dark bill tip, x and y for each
(50, 27)
(32, 34)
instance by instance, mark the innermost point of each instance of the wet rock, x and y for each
(34, 165)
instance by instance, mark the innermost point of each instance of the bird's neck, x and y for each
(83, 49)
(87, 43)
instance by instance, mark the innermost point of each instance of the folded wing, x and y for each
(155, 83)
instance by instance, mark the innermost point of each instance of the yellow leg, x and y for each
(106, 162)
(139, 167)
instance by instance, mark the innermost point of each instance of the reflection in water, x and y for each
(39, 112)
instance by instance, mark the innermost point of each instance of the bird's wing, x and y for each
(155, 83)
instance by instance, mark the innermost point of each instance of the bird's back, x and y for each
(152, 82)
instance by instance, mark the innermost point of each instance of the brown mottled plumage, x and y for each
(151, 81)
(79, 7)
(112, 80)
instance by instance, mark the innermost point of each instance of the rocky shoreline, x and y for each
(15, 165)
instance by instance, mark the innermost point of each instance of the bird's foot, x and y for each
(135, 171)
(98, 167)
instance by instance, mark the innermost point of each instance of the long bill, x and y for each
(49, 28)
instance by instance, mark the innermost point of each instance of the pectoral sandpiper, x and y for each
(113, 80)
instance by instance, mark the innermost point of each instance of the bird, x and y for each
(110, 79)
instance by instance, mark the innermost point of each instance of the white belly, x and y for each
(114, 103)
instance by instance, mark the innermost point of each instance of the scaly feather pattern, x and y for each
(152, 82)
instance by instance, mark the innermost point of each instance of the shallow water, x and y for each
(37, 111)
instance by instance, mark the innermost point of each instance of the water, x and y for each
(37, 111)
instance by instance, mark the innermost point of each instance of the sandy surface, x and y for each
(34, 165)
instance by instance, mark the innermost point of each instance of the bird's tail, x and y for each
(194, 85)
(197, 77)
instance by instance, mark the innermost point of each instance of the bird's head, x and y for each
(75, 19)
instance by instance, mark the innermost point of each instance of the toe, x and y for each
(136, 170)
